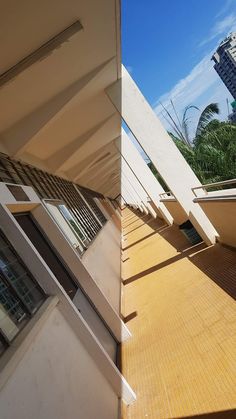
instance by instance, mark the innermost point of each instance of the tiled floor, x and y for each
(180, 306)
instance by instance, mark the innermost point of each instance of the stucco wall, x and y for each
(96, 324)
(177, 212)
(57, 379)
(222, 214)
(102, 260)
(90, 287)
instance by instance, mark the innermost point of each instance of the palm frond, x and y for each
(206, 116)
(173, 123)
(185, 120)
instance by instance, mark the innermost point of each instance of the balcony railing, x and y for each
(215, 185)
(167, 195)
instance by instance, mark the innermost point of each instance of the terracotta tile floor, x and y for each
(179, 302)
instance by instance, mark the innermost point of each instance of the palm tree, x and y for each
(181, 127)
(212, 151)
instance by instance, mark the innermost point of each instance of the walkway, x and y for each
(179, 304)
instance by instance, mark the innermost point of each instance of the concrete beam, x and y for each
(137, 187)
(134, 198)
(20, 135)
(78, 170)
(41, 53)
(114, 190)
(107, 182)
(99, 169)
(59, 159)
(92, 144)
(158, 145)
(105, 175)
(143, 174)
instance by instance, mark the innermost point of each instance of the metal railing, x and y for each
(210, 185)
(166, 195)
(50, 186)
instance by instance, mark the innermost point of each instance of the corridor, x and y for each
(179, 304)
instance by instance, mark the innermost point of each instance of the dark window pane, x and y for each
(20, 295)
(12, 313)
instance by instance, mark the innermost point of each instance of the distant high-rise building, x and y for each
(225, 62)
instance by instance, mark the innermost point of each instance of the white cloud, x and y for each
(201, 86)
(188, 89)
(227, 5)
(223, 26)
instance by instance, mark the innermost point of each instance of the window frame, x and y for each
(29, 314)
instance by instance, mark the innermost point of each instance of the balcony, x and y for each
(220, 207)
(178, 302)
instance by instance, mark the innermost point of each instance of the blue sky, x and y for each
(167, 46)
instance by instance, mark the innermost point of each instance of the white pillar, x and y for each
(137, 187)
(135, 195)
(129, 195)
(143, 174)
(160, 148)
(127, 199)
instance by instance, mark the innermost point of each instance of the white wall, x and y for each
(102, 260)
(51, 286)
(96, 324)
(57, 379)
(86, 281)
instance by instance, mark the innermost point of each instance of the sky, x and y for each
(167, 47)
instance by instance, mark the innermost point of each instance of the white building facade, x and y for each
(66, 170)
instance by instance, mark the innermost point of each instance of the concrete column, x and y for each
(141, 202)
(127, 199)
(158, 145)
(128, 193)
(143, 174)
(138, 187)
(134, 195)
(126, 179)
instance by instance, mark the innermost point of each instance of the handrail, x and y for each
(207, 185)
(167, 194)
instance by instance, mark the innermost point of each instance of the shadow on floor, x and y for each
(219, 264)
(159, 230)
(134, 220)
(145, 222)
(130, 316)
(175, 237)
(165, 263)
(171, 233)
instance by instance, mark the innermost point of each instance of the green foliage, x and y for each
(159, 178)
(206, 116)
(212, 153)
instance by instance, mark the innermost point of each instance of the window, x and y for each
(73, 224)
(53, 187)
(68, 224)
(20, 295)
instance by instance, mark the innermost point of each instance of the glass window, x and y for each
(68, 224)
(20, 295)
(73, 224)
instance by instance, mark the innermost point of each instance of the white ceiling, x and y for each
(55, 113)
